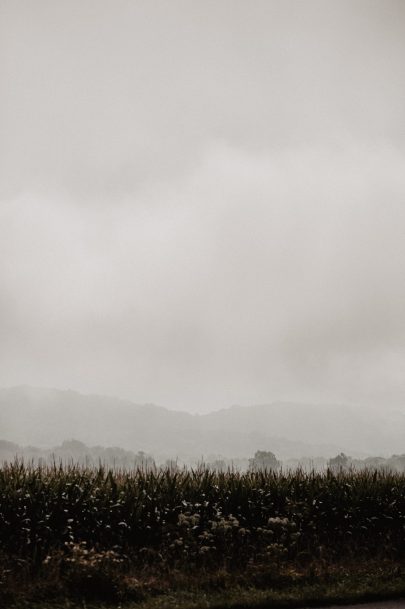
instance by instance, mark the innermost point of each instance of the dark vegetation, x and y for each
(95, 533)
(116, 458)
(73, 451)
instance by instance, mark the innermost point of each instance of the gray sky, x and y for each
(203, 202)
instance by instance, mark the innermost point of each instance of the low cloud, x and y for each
(252, 278)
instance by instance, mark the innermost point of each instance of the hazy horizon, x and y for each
(48, 417)
(203, 203)
(190, 409)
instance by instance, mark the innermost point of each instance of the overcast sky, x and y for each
(202, 202)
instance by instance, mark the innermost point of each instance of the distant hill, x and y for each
(46, 417)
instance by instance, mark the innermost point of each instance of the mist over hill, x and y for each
(46, 417)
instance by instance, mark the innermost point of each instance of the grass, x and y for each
(369, 583)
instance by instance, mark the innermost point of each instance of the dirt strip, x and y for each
(398, 604)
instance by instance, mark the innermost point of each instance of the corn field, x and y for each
(194, 518)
